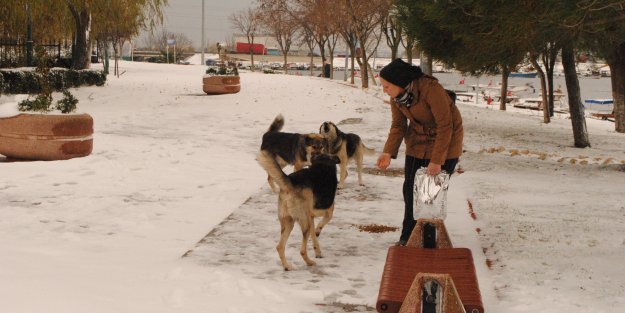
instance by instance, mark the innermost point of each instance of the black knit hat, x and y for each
(400, 73)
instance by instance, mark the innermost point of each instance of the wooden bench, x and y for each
(429, 291)
(403, 264)
(429, 233)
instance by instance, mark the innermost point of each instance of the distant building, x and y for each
(273, 51)
(244, 47)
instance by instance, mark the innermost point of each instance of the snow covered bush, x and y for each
(67, 104)
(222, 70)
(44, 82)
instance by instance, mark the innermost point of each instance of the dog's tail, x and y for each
(277, 124)
(367, 151)
(273, 169)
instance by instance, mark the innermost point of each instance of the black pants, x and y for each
(410, 170)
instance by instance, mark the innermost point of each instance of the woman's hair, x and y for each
(400, 73)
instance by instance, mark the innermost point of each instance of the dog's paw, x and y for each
(319, 256)
(288, 267)
(311, 263)
(340, 186)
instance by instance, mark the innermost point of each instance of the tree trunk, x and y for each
(81, 54)
(543, 92)
(312, 63)
(372, 74)
(549, 60)
(106, 57)
(322, 51)
(394, 53)
(409, 49)
(576, 109)
(286, 67)
(426, 64)
(115, 68)
(252, 59)
(250, 41)
(364, 74)
(505, 73)
(617, 69)
(550, 91)
(352, 49)
(331, 50)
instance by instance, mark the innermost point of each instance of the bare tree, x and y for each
(392, 28)
(366, 18)
(409, 44)
(312, 15)
(247, 22)
(345, 29)
(333, 30)
(308, 38)
(276, 19)
(533, 58)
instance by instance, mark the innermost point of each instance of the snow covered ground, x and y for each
(171, 213)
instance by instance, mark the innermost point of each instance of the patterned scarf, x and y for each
(406, 97)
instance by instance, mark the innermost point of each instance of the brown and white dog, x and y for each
(290, 148)
(346, 146)
(304, 195)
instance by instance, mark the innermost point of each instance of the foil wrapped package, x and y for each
(430, 194)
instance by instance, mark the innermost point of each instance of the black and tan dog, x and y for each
(346, 146)
(304, 195)
(290, 148)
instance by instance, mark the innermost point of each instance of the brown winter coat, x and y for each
(440, 138)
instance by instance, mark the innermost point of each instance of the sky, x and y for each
(185, 16)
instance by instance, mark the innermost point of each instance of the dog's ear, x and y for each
(311, 139)
(335, 159)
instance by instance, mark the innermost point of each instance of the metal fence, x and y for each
(13, 52)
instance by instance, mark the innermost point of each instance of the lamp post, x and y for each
(203, 33)
(29, 37)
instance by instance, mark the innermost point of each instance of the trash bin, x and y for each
(326, 70)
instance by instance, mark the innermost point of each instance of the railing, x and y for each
(13, 51)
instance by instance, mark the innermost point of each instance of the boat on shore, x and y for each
(524, 75)
(599, 105)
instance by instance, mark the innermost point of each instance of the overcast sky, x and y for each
(185, 16)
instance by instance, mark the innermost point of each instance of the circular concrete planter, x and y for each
(221, 84)
(46, 137)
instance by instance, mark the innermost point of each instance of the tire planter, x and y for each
(221, 84)
(46, 137)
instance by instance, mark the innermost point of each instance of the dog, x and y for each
(304, 195)
(346, 146)
(290, 148)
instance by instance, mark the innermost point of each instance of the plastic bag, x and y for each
(430, 194)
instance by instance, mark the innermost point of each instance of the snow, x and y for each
(196, 59)
(9, 105)
(171, 213)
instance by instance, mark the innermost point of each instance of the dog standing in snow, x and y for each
(304, 195)
(346, 146)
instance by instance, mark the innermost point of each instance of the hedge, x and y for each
(17, 81)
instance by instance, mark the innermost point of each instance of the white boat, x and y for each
(599, 105)
(530, 103)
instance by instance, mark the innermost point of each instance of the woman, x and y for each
(425, 117)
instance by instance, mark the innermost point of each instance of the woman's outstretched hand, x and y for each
(384, 160)
(434, 169)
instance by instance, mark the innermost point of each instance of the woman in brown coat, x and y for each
(427, 120)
